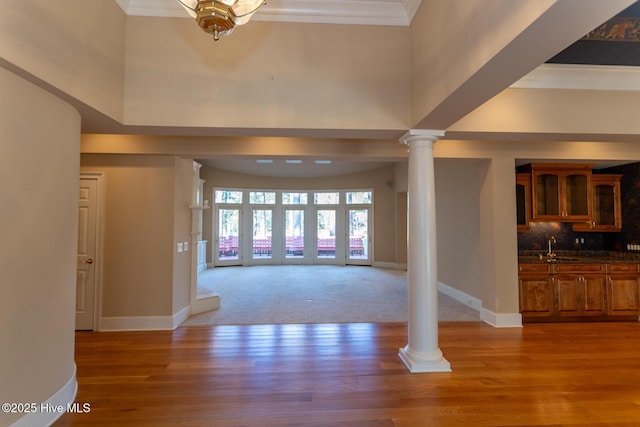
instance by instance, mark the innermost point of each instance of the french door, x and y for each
(262, 251)
(359, 235)
(327, 244)
(294, 235)
(228, 241)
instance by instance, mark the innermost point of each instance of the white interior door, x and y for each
(87, 252)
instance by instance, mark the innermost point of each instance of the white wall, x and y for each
(458, 224)
(139, 238)
(39, 178)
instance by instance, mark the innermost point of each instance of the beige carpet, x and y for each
(314, 294)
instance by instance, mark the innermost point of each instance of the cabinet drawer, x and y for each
(622, 268)
(534, 268)
(579, 268)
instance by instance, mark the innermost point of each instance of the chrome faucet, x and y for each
(552, 241)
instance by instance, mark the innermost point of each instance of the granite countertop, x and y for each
(576, 257)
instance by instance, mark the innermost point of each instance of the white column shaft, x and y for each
(422, 353)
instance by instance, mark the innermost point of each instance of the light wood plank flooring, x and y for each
(350, 375)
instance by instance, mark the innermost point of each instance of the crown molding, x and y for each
(354, 12)
(589, 77)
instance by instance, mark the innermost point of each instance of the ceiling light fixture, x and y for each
(219, 17)
(293, 162)
(323, 162)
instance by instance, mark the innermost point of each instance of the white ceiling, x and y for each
(364, 12)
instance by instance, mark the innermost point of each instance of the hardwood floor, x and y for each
(350, 375)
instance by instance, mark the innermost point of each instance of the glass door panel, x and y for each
(228, 243)
(294, 233)
(262, 233)
(604, 205)
(358, 223)
(548, 195)
(326, 233)
(577, 194)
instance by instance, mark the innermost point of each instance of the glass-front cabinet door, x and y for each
(607, 206)
(523, 200)
(547, 191)
(576, 194)
(607, 212)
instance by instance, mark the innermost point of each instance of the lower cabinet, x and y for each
(574, 292)
(623, 290)
(580, 290)
(536, 291)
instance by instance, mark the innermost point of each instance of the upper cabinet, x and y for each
(568, 193)
(561, 192)
(607, 212)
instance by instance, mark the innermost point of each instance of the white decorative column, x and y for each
(422, 354)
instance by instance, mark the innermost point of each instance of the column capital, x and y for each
(413, 135)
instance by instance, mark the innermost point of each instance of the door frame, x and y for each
(98, 177)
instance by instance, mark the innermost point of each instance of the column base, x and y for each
(418, 362)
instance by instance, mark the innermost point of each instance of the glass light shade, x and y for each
(219, 17)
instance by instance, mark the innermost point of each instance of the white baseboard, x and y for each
(145, 323)
(137, 323)
(501, 320)
(460, 296)
(497, 320)
(50, 410)
(181, 316)
(382, 264)
(207, 303)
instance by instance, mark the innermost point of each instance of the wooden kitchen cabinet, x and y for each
(623, 289)
(523, 200)
(580, 290)
(560, 192)
(536, 290)
(607, 206)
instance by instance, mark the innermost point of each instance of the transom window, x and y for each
(358, 197)
(228, 196)
(332, 198)
(289, 198)
(262, 197)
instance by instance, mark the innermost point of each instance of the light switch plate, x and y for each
(185, 246)
(179, 247)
